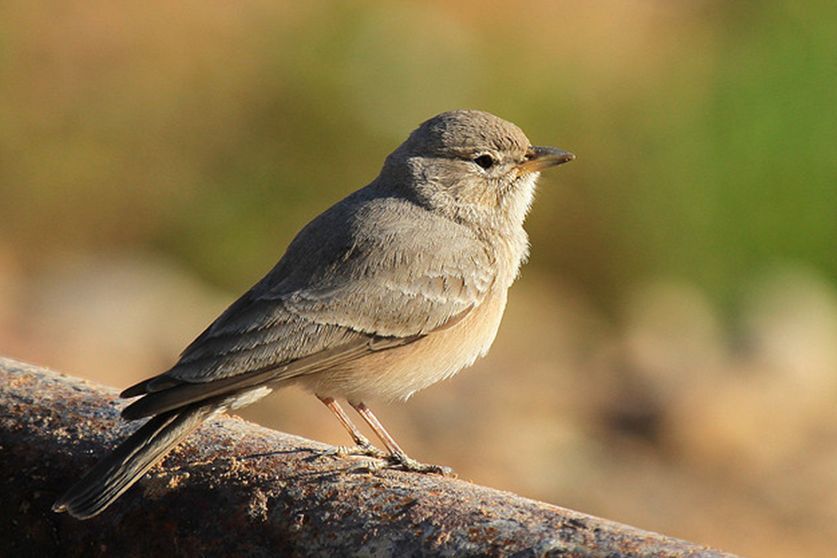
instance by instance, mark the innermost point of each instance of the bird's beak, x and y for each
(540, 158)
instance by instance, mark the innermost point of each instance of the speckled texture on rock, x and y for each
(237, 489)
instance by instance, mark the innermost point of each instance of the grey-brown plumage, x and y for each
(399, 285)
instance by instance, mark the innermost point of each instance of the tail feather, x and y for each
(129, 462)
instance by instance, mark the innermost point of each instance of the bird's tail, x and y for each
(128, 463)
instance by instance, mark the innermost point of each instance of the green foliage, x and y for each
(704, 133)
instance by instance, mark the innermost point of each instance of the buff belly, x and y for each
(400, 372)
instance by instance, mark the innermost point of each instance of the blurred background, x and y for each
(669, 356)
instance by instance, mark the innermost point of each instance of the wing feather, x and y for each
(364, 276)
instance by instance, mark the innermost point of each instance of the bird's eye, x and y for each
(485, 161)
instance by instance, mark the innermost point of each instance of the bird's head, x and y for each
(473, 167)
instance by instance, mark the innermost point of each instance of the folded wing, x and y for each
(360, 278)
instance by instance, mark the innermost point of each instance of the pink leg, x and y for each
(364, 446)
(396, 453)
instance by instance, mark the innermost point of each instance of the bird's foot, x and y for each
(404, 463)
(362, 448)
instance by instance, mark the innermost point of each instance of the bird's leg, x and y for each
(362, 445)
(400, 459)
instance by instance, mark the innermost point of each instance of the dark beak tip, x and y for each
(540, 158)
(567, 157)
(551, 153)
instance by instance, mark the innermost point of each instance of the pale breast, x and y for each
(400, 372)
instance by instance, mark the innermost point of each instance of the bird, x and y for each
(398, 286)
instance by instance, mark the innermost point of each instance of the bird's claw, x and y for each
(404, 463)
(360, 449)
(385, 460)
(369, 466)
